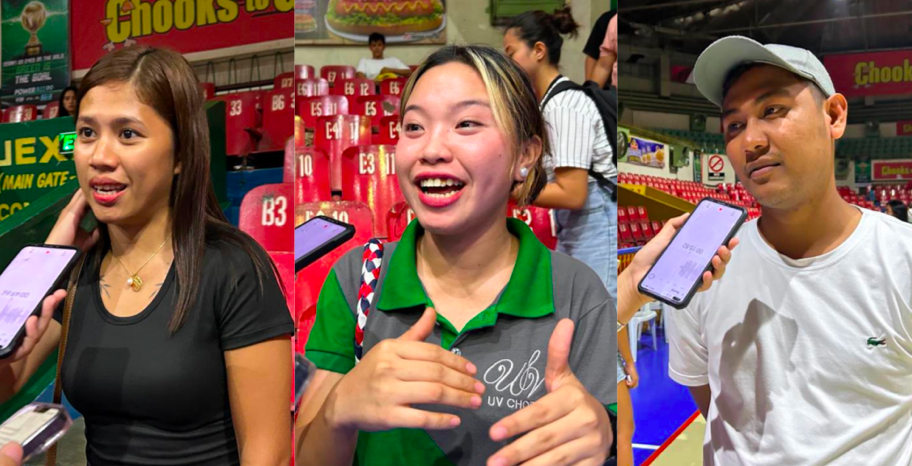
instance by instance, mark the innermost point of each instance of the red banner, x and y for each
(879, 73)
(884, 170)
(102, 26)
(904, 128)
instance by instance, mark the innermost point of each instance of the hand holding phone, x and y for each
(76, 225)
(37, 272)
(11, 454)
(693, 256)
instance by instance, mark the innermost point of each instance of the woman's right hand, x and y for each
(66, 231)
(11, 455)
(395, 374)
(35, 327)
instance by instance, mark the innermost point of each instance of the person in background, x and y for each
(608, 55)
(377, 65)
(593, 53)
(897, 209)
(67, 102)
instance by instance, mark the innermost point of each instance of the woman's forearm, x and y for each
(319, 443)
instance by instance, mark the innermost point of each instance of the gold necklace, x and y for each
(134, 281)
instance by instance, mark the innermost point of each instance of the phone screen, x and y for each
(25, 282)
(314, 233)
(684, 260)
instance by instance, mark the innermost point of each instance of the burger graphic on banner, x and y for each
(387, 17)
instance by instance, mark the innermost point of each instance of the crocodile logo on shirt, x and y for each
(875, 342)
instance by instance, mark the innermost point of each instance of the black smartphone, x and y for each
(36, 272)
(317, 237)
(36, 427)
(304, 372)
(678, 273)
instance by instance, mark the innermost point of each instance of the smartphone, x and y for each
(36, 427)
(304, 372)
(36, 272)
(317, 237)
(678, 273)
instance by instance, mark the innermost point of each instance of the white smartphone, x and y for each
(36, 427)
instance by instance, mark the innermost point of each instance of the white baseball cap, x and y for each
(723, 55)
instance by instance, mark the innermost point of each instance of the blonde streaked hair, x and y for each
(512, 99)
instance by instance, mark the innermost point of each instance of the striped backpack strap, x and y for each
(370, 274)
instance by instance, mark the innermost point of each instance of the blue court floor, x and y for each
(660, 405)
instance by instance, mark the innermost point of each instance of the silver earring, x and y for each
(523, 172)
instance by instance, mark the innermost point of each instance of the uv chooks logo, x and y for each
(126, 20)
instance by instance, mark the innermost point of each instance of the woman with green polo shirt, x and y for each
(481, 346)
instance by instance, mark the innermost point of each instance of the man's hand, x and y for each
(11, 455)
(566, 426)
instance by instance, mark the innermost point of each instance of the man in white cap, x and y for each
(803, 353)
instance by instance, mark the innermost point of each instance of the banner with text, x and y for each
(878, 73)
(35, 44)
(904, 128)
(885, 170)
(31, 163)
(186, 26)
(646, 152)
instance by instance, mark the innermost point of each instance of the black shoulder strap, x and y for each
(557, 89)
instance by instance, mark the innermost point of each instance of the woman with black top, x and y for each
(67, 102)
(179, 337)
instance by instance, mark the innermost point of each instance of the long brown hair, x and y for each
(165, 81)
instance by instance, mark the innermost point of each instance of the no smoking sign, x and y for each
(715, 168)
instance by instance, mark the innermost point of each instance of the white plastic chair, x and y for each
(635, 328)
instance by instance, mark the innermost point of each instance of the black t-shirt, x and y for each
(597, 36)
(152, 398)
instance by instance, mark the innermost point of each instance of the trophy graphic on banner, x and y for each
(33, 18)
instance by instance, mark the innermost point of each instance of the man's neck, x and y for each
(810, 230)
(544, 79)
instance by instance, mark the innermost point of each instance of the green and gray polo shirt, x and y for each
(507, 342)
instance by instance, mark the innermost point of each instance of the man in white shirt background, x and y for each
(803, 353)
(378, 65)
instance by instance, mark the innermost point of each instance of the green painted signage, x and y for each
(31, 162)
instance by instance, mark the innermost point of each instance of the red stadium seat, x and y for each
(336, 73)
(284, 262)
(278, 119)
(393, 86)
(389, 130)
(622, 215)
(539, 219)
(288, 167)
(335, 134)
(354, 213)
(369, 176)
(376, 107)
(265, 214)
(647, 230)
(208, 90)
(641, 212)
(284, 81)
(241, 122)
(624, 235)
(51, 110)
(636, 232)
(312, 167)
(354, 88)
(312, 108)
(398, 218)
(312, 87)
(632, 214)
(656, 227)
(306, 319)
(20, 113)
(304, 72)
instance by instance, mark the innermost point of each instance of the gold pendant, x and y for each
(135, 283)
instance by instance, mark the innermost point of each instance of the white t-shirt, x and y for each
(809, 361)
(371, 67)
(577, 134)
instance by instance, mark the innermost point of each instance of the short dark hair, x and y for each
(899, 209)
(732, 77)
(376, 36)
